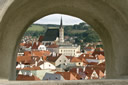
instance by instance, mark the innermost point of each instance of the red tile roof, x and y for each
(24, 59)
(88, 72)
(37, 53)
(99, 73)
(75, 59)
(69, 57)
(100, 57)
(98, 51)
(22, 44)
(36, 45)
(41, 38)
(40, 53)
(40, 63)
(26, 77)
(74, 70)
(29, 69)
(27, 45)
(53, 46)
(52, 59)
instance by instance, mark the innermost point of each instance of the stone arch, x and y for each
(106, 19)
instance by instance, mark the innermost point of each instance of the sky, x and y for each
(55, 19)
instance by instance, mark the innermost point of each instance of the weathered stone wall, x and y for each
(71, 82)
(109, 18)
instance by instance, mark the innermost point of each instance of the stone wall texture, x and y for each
(109, 18)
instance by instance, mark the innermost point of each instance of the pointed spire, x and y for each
(61, 23)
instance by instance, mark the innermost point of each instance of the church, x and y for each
(54, 41)
(54, 35)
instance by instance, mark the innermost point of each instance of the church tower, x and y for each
(61, 32)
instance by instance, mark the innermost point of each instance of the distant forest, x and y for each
(82, 31)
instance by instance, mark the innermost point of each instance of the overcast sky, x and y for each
(55, 19)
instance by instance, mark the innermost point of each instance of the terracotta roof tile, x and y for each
(52, 59)
(26, 77)
(27, 45)
(36, 45)
(53, 46)
(75, 59)
(100, 57)
(37, 53)
(98, 51)
(29, 68)
(22, 44)
(41, 38)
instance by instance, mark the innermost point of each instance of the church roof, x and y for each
(51, 35)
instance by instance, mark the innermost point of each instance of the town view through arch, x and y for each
(60, 47)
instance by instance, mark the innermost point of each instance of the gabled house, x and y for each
(61, 59)
(78, 61)
(46, 65)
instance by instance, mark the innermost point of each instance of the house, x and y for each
(25, 46)
(24, 61)
(89, 58)
(61, 59)
(69, 50)
(46, 65)
(50, 76)
(79, 61)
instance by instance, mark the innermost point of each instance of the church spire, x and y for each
(61, 23)
(61, 31)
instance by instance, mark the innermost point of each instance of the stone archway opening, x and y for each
(33, 59)
(18, 15)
